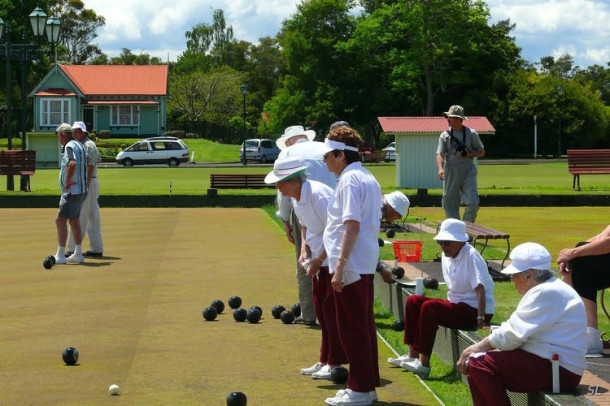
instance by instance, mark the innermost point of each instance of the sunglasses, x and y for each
(444, 243)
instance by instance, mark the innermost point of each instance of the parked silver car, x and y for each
(391, 152)
(259, 149)
(155, 150)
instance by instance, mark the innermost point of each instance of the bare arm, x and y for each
(440, 160)
(303, 255)
(476, 154)
(481, 299)
(598, 245)
(481, 346)
(352, 229)
(70, 174)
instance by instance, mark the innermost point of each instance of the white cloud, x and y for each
(543, 28)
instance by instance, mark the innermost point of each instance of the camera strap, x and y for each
(453, 138)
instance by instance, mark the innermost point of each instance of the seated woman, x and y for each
(586, 269)
(549, 320)
(470, 293)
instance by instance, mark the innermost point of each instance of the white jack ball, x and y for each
(114, 390)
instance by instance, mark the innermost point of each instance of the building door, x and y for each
(88, 118)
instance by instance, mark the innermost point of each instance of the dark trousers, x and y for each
(358, 334)
(491, 375)
(590, 274)
(331, 351)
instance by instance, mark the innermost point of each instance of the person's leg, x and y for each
(588, 275)
(470, 194)
(83, 220)
(336, 355)
(412, 312)
(354, 331)
(451, 192)
(94, 228)
(303, 280)
(490, 375)
(319, 295)
(372, 327)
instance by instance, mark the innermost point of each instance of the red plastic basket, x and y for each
(408, 251)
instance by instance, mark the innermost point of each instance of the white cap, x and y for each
(529, 255)
(294, 131)
(80, 125)
(285, 168)
(398, 201)
(452, 230)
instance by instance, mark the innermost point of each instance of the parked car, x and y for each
(155, 150)
(391, 152)
(257, 149)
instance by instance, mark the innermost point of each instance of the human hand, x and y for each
(314, 267)
(288, 231)
(337, 280)
(441, 174)
(387, 276)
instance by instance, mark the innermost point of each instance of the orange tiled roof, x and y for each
(430, 124)
(118, 79)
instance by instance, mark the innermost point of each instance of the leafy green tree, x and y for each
(79, 27)
(599, 78)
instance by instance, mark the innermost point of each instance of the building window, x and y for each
(124, 115)
(54, 111)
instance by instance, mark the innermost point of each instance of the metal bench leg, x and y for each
(507, 253)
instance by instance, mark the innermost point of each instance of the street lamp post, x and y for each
(559, 93)
(24, 53)
(244, 91)
(535, 137)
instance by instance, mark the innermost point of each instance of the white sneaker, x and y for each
(323, 373)
(312, 369)
(417, 368)
(75, 259)
(60, 260)
(349, 397)
(400, 360)
(595, 345)
(372, 394)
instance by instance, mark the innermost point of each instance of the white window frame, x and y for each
(46, 114)
(132, 118)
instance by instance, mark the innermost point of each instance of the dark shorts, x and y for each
(69, 205)
(590, 274)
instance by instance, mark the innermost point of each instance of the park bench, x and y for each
(236, 181)
(587, 162)
(373, 156)
(18, 162)
(478, 232)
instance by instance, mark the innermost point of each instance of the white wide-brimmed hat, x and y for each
(293, 132)
(455, 111)
(398, 201)
(452, 230)
(529, 255)
(80, 125)
(284, 169)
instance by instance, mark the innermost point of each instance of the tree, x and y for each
(129, 58)
(78, 30)
(214, 40)
(562, 67)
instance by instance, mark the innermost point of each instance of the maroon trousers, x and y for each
(358, 334)
(331, 351)
(423, 315)
(489, 376)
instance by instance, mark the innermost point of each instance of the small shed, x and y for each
(416, 143)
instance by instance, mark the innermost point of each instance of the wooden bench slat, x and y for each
(588, 162)
(238, 181)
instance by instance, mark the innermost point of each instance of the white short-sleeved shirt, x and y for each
(311, 211)
(463, 274)
(356, 198)
(93, 155)
(308, 152)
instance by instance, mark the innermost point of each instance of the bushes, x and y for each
(174, 133)
(104, 134)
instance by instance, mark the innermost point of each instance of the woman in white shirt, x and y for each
(549, 323)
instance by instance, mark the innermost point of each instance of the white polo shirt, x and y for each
(311, 211)
(308, 152)
(356, 198)
(464, 273)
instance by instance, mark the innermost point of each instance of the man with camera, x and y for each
(454, 157)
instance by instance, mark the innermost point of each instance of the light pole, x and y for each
(244, 91)
(24, 53)
(535, 137)
(559, 93)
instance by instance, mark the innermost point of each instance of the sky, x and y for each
(580, 28)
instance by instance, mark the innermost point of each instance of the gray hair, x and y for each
(542, 275)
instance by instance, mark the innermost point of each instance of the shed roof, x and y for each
(430, 124)
(118, 79)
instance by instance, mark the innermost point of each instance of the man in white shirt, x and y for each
(296, 142)
(549, 323)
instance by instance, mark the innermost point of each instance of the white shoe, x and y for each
(417, 368)
(400, 360)
(349, 397)
(372, 394)
(60, 260)
(595, 345)
(323, 373)
(75, 259)
(312, 369)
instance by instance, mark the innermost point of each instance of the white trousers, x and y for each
(90, 220)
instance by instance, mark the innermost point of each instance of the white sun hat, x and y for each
(331, 145)
(398, 201)
(452, 230)
(529, 255)
(293, 132)
(80, 125)
(284, 169)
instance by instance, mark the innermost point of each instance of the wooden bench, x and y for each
(373, 156)
(587, 162)
(236, 181)
(478, 232)
(18, 162)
